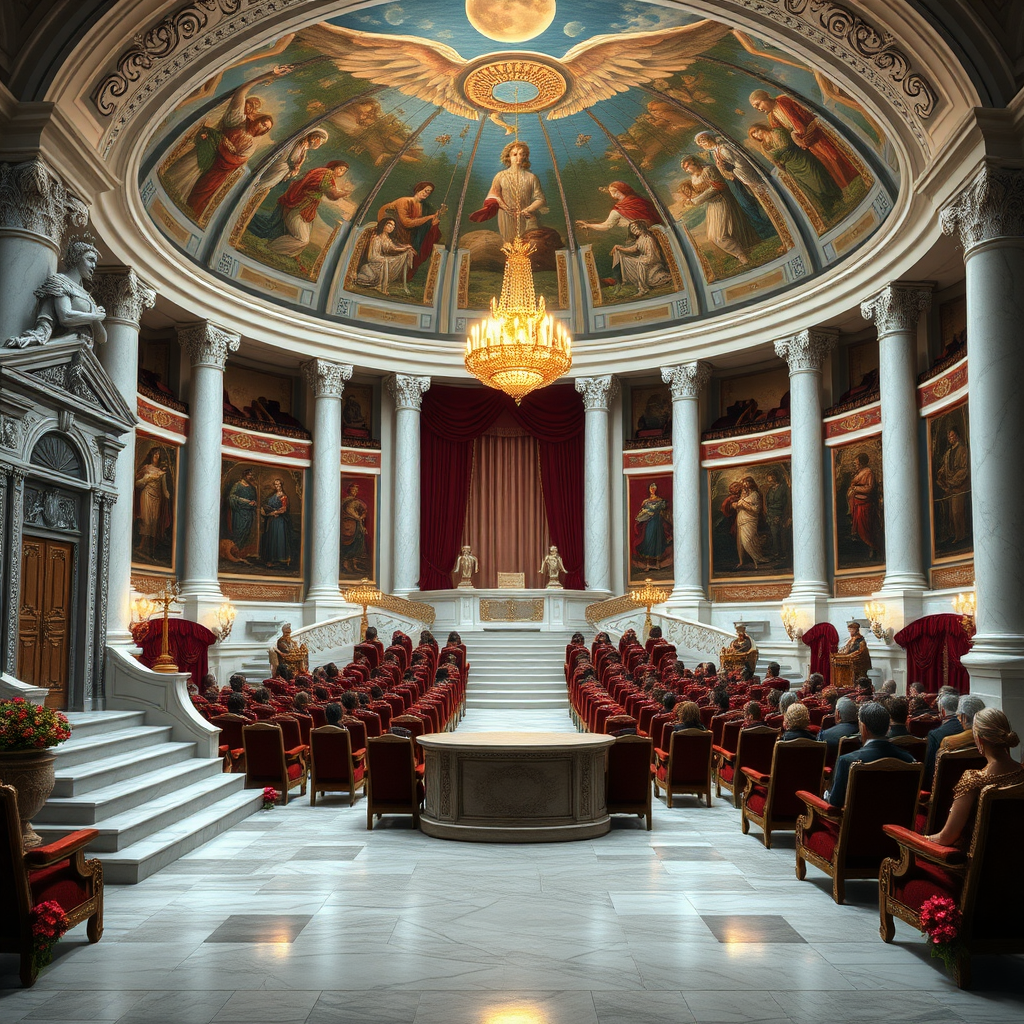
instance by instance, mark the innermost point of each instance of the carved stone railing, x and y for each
(618, 614)
(601, 610)
(329, 635)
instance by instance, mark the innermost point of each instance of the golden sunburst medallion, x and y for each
(480, 83)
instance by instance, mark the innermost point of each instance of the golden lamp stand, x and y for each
(648, 595)
(363, 593)
(165, 663)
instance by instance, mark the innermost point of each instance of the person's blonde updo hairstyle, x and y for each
(992, 726)
(797, 717)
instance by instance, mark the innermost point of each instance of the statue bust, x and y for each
(65, 310)
(287, 652)
(552, 565)
(466, 565)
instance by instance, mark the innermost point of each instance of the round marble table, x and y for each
(515, 787)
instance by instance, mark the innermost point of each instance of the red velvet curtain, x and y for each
(451, 419)
(187, 641)
(934, 646)
(823, 640)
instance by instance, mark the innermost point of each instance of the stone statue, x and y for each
(742, 643)
(740, 653)
(65, 310)
(287, 652)
(552, 565)
(467, 565)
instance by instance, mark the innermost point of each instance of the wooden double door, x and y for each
(44, 616)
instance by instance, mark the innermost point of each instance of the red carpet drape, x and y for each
(452, 419)
(187, 641)
(823, 639)
(934, 646)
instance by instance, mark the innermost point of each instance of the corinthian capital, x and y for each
(33, 197)
(806, 351)
(991, 206)
(686, 380)
(327, 379)
(897, 307)
(207, 344)
(121, 293)
(597, 392)
(408, 391)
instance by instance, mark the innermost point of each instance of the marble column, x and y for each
(686, 382)
(895, 312)
(597, 393)
(988, 218)
(124, 297)
(208, 347)
(327, 381)
(407, 392)
(36, 209)
(805, 352)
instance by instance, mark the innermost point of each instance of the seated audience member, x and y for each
(919, 707)
(720, 697)
(899, 709)
(967, 707)
(865, 690)
(797, 721)
(815, 684)
(949, 689)
(207, 681)
(350, 701)
(950, 726)
(236, 705)
(773, 679)
(846, 723)
(752, 715)
(321, 693)
(333, 713)
(830, 695)
(915, 689)
(889, 687)
(995, 739)
(212, 694)
(261, 695)
(788, 697)
(302, 701)
(773, 697)
(687, 717)
(874, 724)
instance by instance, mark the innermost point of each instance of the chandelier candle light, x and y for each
(648, 595)
(363, 593)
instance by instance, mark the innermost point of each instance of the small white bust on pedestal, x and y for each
(552, 565)
(467, 565)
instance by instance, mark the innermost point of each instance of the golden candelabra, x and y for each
(791, 621)
(363, 593)
(875, 612)
(142, 609)
(966, 606)
(648, 595)
(165, 663)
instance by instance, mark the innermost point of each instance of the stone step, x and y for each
(95, 746)
(121, 796)
(156, 851)
(512, 704)
(91, 723)
(75, 780)
(122, 830)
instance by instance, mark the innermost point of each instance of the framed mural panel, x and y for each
(650, 528)
(357, 412)
(154, 504)
(949, 479)
(261, 520)
(358, 527)
(751, 521)
(651, 413)
(858, 529)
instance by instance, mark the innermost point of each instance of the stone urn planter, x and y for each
(31, 774)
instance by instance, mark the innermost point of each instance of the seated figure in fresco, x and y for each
(417, 222)
(386, 261)
(641, 263)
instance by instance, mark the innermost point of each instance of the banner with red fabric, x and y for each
(934, 645)
(451, 420)
(823, 640)
(188, 643)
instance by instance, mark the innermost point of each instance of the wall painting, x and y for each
(858, 528)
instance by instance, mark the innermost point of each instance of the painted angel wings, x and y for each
(596, 69)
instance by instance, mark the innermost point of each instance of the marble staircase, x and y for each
(152, 800)
(516, 669)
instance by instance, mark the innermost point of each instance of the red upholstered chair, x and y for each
(923, 725)
(305, 722)
(917, 745)
(267, 763)
(986, 883)
(382, 709)
(317, 713)
(291, 732)
(332, 768)
(613, 723)
(230, 743)
(262, 712)
(371, 720)
(629, 777)
(754, 748)
(849, 842)
(687, 769)
(417, 727)
(392, 786)
(949, 767)
(56, 872)
(770, 799)
(357, 730)
(706, 714)
(845, 746)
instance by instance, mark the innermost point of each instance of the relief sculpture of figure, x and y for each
(65, 310)
(466, 565)
(552, 565)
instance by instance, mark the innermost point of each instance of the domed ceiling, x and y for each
(668, 167)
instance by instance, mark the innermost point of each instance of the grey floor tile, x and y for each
(260, 928)
(751, 928)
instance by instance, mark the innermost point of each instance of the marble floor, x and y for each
(301, 915)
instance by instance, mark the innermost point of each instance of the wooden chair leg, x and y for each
(744, 823)
(886, 928)
(28, 970)
(767, 837)
(801, 867)
(838, 888)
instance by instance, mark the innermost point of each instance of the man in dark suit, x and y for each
(899, 709)
(846, 723)
(874, 724)
(950, 726)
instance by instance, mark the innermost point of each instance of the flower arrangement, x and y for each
(940, 922)
(270, 796)
(48, 927)
(27, 726)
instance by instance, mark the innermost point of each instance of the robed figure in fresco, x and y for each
(276, 543)
(727, 226)
(242, 513)
(952, 476)
(386, 262)
(353, 530)
(652, 529)
(803, 167)
(152, 503)
(862, 499)
(416, 222)
(515, 195)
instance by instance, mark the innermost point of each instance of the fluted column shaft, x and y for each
(407, 392)
(805, 352)
(208, 347)
(597, 394)
(327, 381)
(686, 383)
(895, 312)
(124, 297)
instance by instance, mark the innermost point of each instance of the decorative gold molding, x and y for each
(511, 610)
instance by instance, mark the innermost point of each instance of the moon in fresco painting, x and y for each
(510, 21)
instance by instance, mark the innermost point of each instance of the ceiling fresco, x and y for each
(666, 167)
